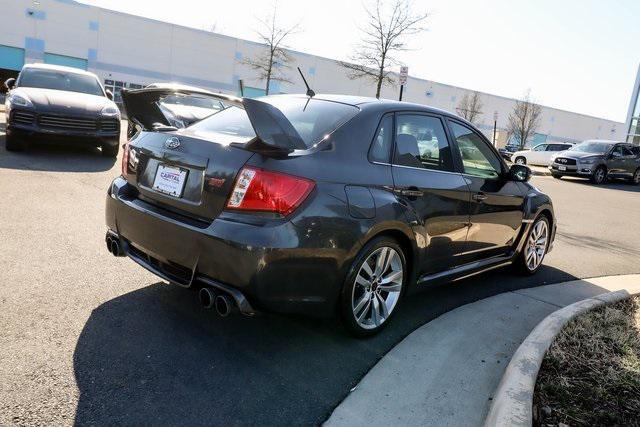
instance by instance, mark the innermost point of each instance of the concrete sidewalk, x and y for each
(445, 373)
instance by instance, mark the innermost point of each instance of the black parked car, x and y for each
(508, 151)
(598, 160)
(317, 205)
(61, 103)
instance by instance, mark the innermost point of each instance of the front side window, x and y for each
(477, 157)
(60, 80)
(421, 142)
(541, 147)
(381, 146)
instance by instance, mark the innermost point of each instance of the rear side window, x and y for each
(421, 142)
(313, 119)
(381, 145)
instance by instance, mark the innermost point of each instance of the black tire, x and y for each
(599, 175)
(523, 160)
(14, 144)
(110, 151)
(556, 176)
(521, 261)
(636, 178)
(349, 288)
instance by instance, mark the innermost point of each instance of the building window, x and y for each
(116, 88)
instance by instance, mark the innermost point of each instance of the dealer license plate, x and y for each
(170, 180)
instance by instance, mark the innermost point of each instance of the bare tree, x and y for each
(470, 107)
(271, 63)
(524, 120)
(385, 32)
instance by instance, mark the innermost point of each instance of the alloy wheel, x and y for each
(537, 245)
(599, 175)
(520, 161)
(377, 287)
(636, 177)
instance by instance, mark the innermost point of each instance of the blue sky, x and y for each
(575, 55)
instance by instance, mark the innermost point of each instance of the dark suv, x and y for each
(319, 205)
(68, 104)
(598, 160)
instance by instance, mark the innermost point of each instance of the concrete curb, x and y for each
(540, 171)
(512, 403)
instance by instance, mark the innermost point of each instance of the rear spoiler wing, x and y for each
(274, 132)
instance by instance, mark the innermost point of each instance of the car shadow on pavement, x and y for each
(154, 356)
(617, 184)
(55, 158)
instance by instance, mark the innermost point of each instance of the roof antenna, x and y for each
(310, 92)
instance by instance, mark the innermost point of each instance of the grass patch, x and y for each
(591, 373)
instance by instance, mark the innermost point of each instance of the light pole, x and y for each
(495, 126)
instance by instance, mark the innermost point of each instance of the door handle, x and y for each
(479, 197)
(410, 192)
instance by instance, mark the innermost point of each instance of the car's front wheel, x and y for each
(636, 177)
(556, 176)
(535, 247)
(12, 143)
(374, 285)
(599, 175)
(520, 160)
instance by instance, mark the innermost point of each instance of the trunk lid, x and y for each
(194, 178)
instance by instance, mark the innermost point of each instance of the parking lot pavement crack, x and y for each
(537, 299)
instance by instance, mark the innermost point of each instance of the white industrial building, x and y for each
(132, 51)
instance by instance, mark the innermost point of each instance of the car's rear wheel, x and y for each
(520, 160)
(110, 151)
(374, 285)
(599, 175)
(636, 177)
(535, 247)
(12, 143)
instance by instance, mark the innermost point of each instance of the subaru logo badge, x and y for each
(172, 143)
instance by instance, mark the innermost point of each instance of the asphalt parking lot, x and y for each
(93, 339)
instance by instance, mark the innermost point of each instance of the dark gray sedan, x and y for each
(319, 205)
(598, 160)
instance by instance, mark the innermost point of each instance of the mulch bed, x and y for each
(591, 373)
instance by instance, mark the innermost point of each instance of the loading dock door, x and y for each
(11, 62)
(67, 61)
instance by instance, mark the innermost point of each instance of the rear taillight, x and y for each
(265, 191)
(125, 160)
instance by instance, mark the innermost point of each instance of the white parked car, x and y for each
(540, 154)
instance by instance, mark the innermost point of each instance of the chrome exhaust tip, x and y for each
(207, 297)
(224, 305)
(115, 248)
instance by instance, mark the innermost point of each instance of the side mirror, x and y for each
(109, 94)
(10, 83)
(519, 173)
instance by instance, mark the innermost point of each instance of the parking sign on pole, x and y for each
(404, 73)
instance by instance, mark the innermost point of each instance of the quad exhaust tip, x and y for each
(113, 246)
(222, 303)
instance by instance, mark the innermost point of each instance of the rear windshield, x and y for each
(60, 80)
(193, 101)
(312, 119)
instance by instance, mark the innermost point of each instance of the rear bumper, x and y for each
(274, 266)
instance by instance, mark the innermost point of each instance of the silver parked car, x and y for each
(599, 160)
